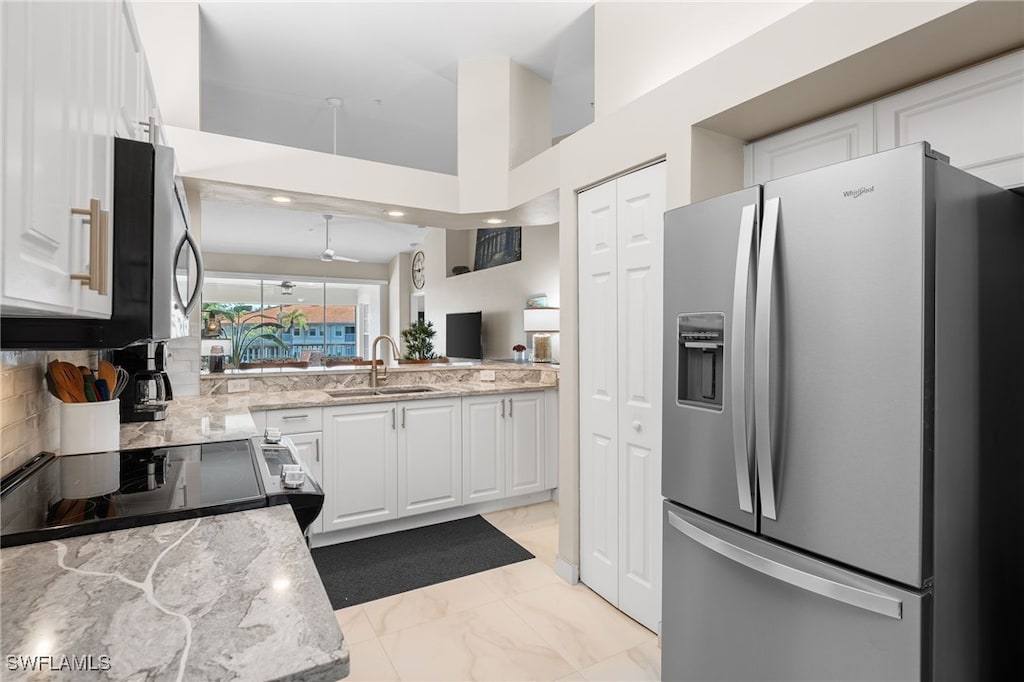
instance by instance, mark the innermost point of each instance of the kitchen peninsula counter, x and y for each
(233, 596)
(221, 416)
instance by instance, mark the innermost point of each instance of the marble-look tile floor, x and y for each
(519, 622)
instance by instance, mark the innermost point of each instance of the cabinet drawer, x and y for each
(295, 420)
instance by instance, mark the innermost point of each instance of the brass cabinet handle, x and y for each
(99, 231)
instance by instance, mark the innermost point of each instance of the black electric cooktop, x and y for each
(55, 497)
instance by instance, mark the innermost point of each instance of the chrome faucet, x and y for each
(373, 358)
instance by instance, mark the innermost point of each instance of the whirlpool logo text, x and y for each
(854, 193)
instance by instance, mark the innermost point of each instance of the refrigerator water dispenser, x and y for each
(700, 359)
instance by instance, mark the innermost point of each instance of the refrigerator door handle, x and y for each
(738, 358)
(854, 596)
(762, 358)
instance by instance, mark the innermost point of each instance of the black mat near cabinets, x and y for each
(363, 570)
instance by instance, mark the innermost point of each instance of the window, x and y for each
(266, 323)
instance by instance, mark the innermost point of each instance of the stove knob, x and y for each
(272, 435)
(292, 476)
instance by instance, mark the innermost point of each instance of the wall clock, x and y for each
(418, 279)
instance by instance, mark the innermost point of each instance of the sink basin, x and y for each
(383, 390)
(391, 390)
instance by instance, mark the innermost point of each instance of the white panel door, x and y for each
(429, 455)
(641, 220)
(843, 136)
(37, 226)
(94, 169)
(308, 446)
(598, 393)
(360, 463)
(974, 117)
(525, 454)
(483, 447)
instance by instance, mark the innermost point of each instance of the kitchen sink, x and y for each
(383, 390)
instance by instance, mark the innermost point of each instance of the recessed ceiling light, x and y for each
(396, 214)
(494, 221)
(281, 199)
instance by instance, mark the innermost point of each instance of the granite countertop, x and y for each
(233, 596)
(222, 417)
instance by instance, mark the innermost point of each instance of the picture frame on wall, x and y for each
(497, 246)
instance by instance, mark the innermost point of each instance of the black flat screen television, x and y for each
(464, 335)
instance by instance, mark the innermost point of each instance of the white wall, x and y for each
(400, 288)
(641, 45)
(499, 292)
(530, 115)
(172, 27)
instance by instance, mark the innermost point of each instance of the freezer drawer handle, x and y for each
(762, 358)
(862, 599)
(738, 360)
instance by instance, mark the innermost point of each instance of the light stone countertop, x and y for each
(227, 597)
(222, 417)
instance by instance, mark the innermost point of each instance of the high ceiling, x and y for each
(268, 69)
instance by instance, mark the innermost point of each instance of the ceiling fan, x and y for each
(328, 255)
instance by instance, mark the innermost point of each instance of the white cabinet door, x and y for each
(57, 95)
(599, 392)
(309, 448)
(973, 116)
(621, 227)
(94, 114)
(641, 210)
(525, 454)
(429, 455)
(843, 136)
(483, 440)
(131, 63)
(360, 463)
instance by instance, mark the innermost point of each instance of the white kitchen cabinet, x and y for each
(526, 439)
(58, 101)
(483, 439)
(360, 465)
(621, 232)
(429, 455)
(974, 116)
(836, 138)
(507, 446)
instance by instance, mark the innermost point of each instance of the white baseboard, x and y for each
(419, 520)
(570, 573)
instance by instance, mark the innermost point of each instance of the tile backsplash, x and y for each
(29, 415)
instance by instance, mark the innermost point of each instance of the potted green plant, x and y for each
(246, 326)
(419, 346)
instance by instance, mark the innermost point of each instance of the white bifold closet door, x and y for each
(621, 225)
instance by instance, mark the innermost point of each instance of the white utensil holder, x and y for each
(90, 427)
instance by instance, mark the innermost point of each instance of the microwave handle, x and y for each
(193, 300)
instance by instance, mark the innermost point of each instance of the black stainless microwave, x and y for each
(155, 258)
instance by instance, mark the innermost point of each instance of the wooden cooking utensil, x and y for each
(67, 377)
(91, 394)
(108, 373)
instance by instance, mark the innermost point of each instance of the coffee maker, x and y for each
(149, 388)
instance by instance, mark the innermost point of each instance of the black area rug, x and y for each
(363, 570)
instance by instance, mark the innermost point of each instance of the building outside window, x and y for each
(267, 322)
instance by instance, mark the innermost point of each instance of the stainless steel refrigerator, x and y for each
(842, 425)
